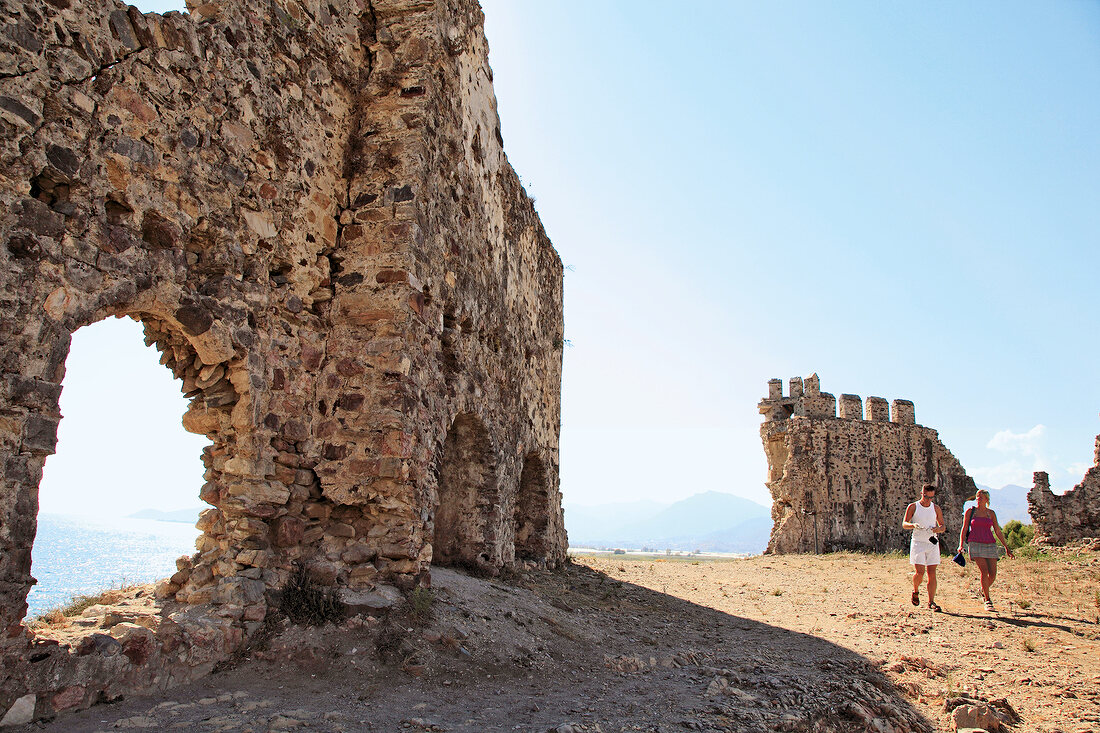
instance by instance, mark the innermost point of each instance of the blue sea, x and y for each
(76, 555)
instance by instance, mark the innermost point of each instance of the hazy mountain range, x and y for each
(1010, 502)
(710, 521)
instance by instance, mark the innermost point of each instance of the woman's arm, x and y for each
(907, 521)
(962, 530)
(1001, 537)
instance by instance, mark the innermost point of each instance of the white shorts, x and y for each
(923, 552)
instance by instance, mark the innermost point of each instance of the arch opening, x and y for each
(531, 516)
(465, 513)
(118, 503)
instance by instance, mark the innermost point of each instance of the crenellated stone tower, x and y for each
(308, 206)
(852, 474)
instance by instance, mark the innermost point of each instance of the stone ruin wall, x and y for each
(1074, 515)
(855, 472)
(308, 206)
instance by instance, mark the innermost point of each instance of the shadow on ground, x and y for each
(533, 652)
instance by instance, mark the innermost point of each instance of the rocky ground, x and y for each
(790, 643)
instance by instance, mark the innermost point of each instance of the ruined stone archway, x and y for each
(531, 514)
(121, 448)
(213, 399)
(467, 511)
(295, 196)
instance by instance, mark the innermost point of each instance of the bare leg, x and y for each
(992, 564)
(918, 576)
(931, 583)
(983, 566)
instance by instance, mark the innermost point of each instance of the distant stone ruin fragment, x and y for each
(1075, 515)
(308, 206)
(847, 479)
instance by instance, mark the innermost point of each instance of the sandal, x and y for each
(916, 598)
(934, 607)
(989, 607)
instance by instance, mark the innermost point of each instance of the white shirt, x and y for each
(925, 518)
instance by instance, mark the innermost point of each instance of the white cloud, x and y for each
(1002, 474)
(1028, 444)
(1077, 470)
(1025, 454)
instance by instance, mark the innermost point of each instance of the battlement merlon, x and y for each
(805, 399)
(904, 413)
(851, 407)
(878, 410)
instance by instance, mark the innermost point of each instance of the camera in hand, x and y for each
(934, 540)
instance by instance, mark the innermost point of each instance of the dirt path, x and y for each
(615, 644)
(1041, 651)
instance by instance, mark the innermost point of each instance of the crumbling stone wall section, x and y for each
(851, 475)
(308, 206)
(1074, 515)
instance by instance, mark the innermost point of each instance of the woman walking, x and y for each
(979, 526)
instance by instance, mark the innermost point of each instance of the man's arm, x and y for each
(906, 523)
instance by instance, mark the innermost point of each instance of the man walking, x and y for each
(925, 519)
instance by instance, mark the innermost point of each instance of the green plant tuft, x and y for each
(420, 603)
(1031, 552)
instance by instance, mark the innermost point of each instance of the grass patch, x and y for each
(1058, 554)
(59, 615)
(777, 592)
(1033, 553)
(1023, 603)
(1029, 645)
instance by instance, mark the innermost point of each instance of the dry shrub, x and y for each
(306, 604)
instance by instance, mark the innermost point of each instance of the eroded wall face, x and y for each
(308, 206)
(851, 476)
(1074, 515)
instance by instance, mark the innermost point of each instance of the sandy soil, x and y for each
(791, 643)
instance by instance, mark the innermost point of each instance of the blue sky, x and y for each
(899, 197)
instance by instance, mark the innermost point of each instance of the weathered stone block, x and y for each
(287, 531)
(20, 712)
(40, 435)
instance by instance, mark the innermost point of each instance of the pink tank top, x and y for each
(981, 529)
